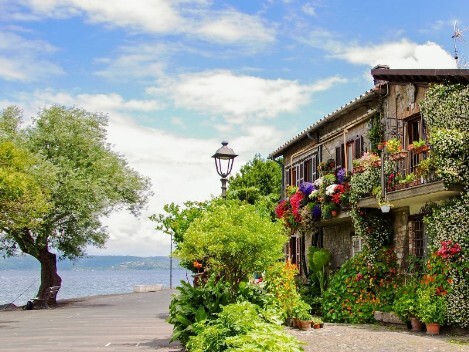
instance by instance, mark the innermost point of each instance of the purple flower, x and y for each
(306, 188)
(316, 211)
(341, 175)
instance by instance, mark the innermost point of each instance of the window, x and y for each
(339, 157)
(302, 171)
(357, 245)
(415, 131)
(417, 237)
(294, 251)
(353, 150)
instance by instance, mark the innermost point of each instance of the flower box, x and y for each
(358, 169)
(398, 156)
(376, 163)
(422, 149)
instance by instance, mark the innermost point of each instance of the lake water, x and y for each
(18, 286)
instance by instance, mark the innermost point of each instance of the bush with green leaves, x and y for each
(280, 282)
(233, 241)
(405, 304)
(360, 287)
(318, 258)
(195, 304)
(374, 227)
(240, 327)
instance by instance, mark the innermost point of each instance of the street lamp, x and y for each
(224, 158)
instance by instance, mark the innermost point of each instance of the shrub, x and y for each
(195, 304)
(240, 327)
(360, 287)
(233, 241)
(280, 282)
(405, 305)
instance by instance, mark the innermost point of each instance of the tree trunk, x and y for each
(49, 276)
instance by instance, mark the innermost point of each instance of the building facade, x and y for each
(339, 141)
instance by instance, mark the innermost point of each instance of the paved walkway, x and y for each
(121, 323)
(137, 322)
(376, 338)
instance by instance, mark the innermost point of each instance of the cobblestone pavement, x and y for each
(375, 338)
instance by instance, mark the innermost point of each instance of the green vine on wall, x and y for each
(446, 110)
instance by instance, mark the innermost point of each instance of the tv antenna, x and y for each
(458, 36)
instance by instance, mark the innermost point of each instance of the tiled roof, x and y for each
(278, 152)
(421, 75)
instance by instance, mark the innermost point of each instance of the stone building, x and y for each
(344, 136)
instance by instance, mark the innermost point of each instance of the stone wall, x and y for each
(338, 239)
(401, 235)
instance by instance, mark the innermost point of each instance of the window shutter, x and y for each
(338, 157)
(315, 167)
(358, 147)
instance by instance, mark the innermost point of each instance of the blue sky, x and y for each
(178, 77)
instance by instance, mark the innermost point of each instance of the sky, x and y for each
(177, 77)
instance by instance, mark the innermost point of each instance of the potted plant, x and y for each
(385, 206)
(418, 147)
(431, 309)
(317, 322)
(425, 168)
(302, 314)
(405, 306)
(393, 146)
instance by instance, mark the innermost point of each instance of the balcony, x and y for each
(409, 184)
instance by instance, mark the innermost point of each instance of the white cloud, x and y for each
(180, 168)
(238, 98)
(401, 54)
(396, 54)
(308, 9)
(136, 62)
(231, 26)
(192, 18)
(24, 60)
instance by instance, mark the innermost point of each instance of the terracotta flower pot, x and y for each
(304, 324)
(433, 328)
(334, 212)
(317, 326)
(416, 324)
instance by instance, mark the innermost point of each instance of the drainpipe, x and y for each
(345, 151)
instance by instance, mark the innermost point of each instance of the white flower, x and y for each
(314, 194)
(318, 182)
(330, 189)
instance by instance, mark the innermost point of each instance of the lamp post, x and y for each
(224, 158)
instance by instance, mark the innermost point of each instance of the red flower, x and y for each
(281, 209)
(336, 198)
(295, 201)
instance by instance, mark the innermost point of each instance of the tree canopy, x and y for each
(85, 181)
(233, 241)
(256, 179)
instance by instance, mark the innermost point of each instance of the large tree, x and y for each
(88, 181)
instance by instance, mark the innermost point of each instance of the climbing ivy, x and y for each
(445, 110)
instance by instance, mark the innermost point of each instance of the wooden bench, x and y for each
(41, 302)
